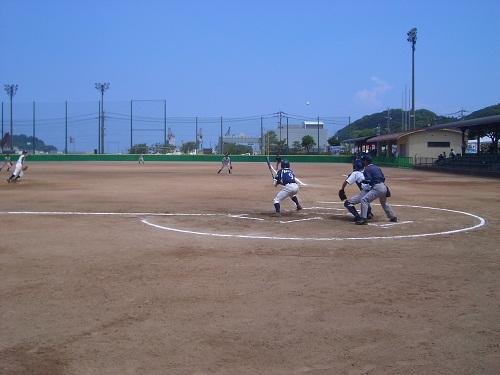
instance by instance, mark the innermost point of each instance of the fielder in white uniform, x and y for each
(6, 163)
(226, 163)
(18, 171)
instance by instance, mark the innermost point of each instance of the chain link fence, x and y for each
(144, 126)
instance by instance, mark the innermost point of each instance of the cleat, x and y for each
(369, 216)
(276, 214)
(361, 221)
(394, 219)
(299, 207)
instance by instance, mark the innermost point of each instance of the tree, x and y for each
(333, 141)
(187, 147)
(140, 148)
(235, 149)
(271, 142)
(25, 142)
(493, 134)
(308, 142)
(161, 148)
(297, 146)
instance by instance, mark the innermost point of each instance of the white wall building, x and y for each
(296, 132)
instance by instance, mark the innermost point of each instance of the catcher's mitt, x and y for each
(388, 193)
(25, 167)
(231, 167)
(342, 195)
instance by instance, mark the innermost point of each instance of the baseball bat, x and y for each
(269, 166)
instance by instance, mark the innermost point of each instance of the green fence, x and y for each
(401, 162)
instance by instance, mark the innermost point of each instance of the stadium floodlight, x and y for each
(102, 87)
(11, 91)
(412, 38)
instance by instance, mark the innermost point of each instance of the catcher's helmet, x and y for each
(357, 165)
(366, 157)
(285, 164)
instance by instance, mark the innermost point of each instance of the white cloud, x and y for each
(373, 96)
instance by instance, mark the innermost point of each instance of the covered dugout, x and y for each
(475, 129)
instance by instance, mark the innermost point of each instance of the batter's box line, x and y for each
(297, 220)
(245, 216)
(386, 225)
(324, 208)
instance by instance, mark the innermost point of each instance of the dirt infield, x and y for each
(169, 268)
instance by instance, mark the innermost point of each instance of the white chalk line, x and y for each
(324, 208)
(245, 216)
(481, 223)
(391, 224)
(62, 213)
(297, 220)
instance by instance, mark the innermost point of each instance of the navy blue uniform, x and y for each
(285, 176)
(373, 175)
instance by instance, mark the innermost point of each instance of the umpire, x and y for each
(375, 178)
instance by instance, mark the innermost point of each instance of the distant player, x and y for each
(278, 160)
(376, 179)
(286, 177)
(356, 177)
(18, 171)
(226, 163)
(6, 163)
(141, 159)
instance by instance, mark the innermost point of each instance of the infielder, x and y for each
(141, 159)
(18, 171)
(226, 163)
(6, 162)
(278, 160)
(376, 179)
(285, 177)
(356, 177)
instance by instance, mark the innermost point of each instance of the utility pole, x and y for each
(261, 137)
(280, 113)
(318, 136)
(196, 131)
(389, 118)
(101, 87)
(66, 127)
(34, 143)
(412, 38)
(462, 111)
(287, 143)
(11, 91)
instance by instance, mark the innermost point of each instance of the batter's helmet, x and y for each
(285, 164)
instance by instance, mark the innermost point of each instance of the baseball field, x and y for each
(169, 268)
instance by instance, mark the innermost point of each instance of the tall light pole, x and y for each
(412, 38)
(11, 91)
(102, 87)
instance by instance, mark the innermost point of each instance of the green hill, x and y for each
(492, 110)
(368, 125)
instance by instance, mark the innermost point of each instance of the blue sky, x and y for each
(347, 58)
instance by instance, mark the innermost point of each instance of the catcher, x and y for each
(226, 163)
(20, 167)
(357, 177)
